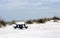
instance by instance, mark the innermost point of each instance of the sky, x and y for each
(28, 9)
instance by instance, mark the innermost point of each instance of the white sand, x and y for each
(47, 30)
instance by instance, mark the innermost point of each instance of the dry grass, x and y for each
(43, 20)
(2, 23)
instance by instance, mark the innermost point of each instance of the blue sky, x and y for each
(28, 9)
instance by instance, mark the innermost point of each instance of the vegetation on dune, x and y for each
(29, 22)
(55, 18)
(11, 22)
(2, 23)
(43, 20)
(40, 21)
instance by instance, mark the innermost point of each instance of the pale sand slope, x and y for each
(46, 30)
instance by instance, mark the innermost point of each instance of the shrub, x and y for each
(46, 19)
(41, 21)
(55, 18)
(2, 23)
(29, 22)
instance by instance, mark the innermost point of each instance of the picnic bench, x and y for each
(20, 26)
